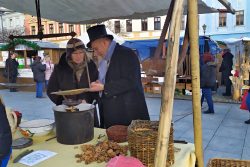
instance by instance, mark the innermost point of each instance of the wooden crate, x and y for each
(156, 88)
(180, 86)
(188, 86)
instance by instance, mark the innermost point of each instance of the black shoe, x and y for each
(208, 112)
(247, 122)
(226, 94)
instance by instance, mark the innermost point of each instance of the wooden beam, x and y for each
(195, 72)
(227, 5)
(184, 48)
(169, 86)
(158, 50)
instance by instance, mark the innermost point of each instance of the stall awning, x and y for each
(93, 11)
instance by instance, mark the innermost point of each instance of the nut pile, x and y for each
(102, 151)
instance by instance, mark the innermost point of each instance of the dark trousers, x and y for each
(12, 80)
(207, 93)
(228, 86)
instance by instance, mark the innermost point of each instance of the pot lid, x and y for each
(22, 143)
(36, 123)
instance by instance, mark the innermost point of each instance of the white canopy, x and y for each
(85, 39)
(94, 11)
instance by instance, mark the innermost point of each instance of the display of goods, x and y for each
(220, 162)
(142, 140)
(117, 133)
(101, 152)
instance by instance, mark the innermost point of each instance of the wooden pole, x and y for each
(158, 51)
(184, 48)
(195, 72)
(169, 86)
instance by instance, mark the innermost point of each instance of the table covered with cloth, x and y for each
(66, 153)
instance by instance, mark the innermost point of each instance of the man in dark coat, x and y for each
(38, 70)
(11, 70)
(69, 74)
(5, 137)
(225, 69)
(119, 82)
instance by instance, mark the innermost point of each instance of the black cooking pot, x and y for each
(74, 127)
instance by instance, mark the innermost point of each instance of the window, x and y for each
(11, 22)
(117, 27)
(222, 19)
(60, 27)
(239, 17)
(43, 28)
(51, 28)
(183, 23)
(157, 23)
(144, 24)
(71, 28)
(129, 25)
(33, 30)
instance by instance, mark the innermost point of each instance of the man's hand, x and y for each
(96, 86)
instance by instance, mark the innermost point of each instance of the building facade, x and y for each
(50, 27)
(221, 25)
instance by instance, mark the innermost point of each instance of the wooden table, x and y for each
(66, 153)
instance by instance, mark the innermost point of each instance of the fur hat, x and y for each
(97, 32)
(72, 45)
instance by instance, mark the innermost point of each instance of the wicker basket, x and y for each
(142, 140)
(218, 162)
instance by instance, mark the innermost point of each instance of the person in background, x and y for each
(38, 70)
(225, 69)
(248, 105)
(49, 69)
(119, 82)
(208, 80)
(11, 69)
(72, 72)
(5, 137)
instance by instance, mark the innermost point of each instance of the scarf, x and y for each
(78, 69)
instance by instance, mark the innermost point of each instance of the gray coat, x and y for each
(208, 75)
(38, 70)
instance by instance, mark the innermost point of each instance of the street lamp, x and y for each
(204, 27)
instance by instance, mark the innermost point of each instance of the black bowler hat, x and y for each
(97, 32)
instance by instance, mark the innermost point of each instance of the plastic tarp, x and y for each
(145, 48)
(96, 11)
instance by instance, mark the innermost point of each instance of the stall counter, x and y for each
(66, 153)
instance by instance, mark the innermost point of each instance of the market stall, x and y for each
(240, 48)
(65, 154)
(26, 50)
(134, 9)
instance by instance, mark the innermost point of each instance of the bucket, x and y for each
(74, 127)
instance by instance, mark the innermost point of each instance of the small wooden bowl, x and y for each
(117, 133)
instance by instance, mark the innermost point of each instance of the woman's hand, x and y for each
(96, 86)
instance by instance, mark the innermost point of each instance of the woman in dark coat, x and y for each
(5, 137)
(11, 70)
(38, 70)
(71, 73)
